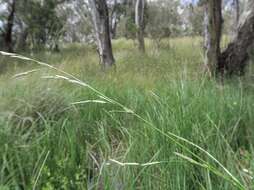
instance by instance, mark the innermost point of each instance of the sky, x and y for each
(189, 1)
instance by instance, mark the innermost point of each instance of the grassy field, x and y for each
(155, 123)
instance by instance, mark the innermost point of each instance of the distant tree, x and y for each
(8, 38)
(44, 25)
(100, 17)
(78, 24)
(196, 18)
(31, 23)
(140, 23)
(130, 27)
(116, 11)
(163, 20)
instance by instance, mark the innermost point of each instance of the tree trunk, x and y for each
(22, 39)
(236, 16)
(22, 36)
(100, 17)
(113, 20)
(139, 21)
(234, 58)
(214, 29)
(113, 24)
(206, 34)
(130, 18)
(9, 27)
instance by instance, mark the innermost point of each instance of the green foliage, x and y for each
(37, 24)
(163, 19)
(196, 19)
(43, 23)
(130, 28)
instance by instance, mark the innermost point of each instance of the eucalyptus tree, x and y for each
(44, 24)
(129, 20)
(100, 18)
(78, 25)
(140, 23)
(116, 11)
(31, 23)
(235, 57)
(236, 8)
(8, 28)
(213, 23)
(165, 19)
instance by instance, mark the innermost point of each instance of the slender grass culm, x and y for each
(184, 149)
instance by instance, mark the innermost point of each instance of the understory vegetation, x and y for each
(155, 122)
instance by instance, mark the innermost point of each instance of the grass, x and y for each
(46, 142)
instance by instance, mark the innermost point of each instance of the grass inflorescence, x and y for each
(155, 123)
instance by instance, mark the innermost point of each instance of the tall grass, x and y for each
(164, 126)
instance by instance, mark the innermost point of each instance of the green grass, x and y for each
(178, 115)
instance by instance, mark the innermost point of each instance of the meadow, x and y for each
(155, 122)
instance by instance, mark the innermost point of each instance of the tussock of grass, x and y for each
(58, 145)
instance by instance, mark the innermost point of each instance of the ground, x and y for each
(156, 122)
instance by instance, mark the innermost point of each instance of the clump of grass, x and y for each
(173, 123)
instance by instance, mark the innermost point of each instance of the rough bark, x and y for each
(9, 27)
(100, 17)
(234, 58)
(139, 21)
(214, 30)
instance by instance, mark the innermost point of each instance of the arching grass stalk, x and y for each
(173, 137)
